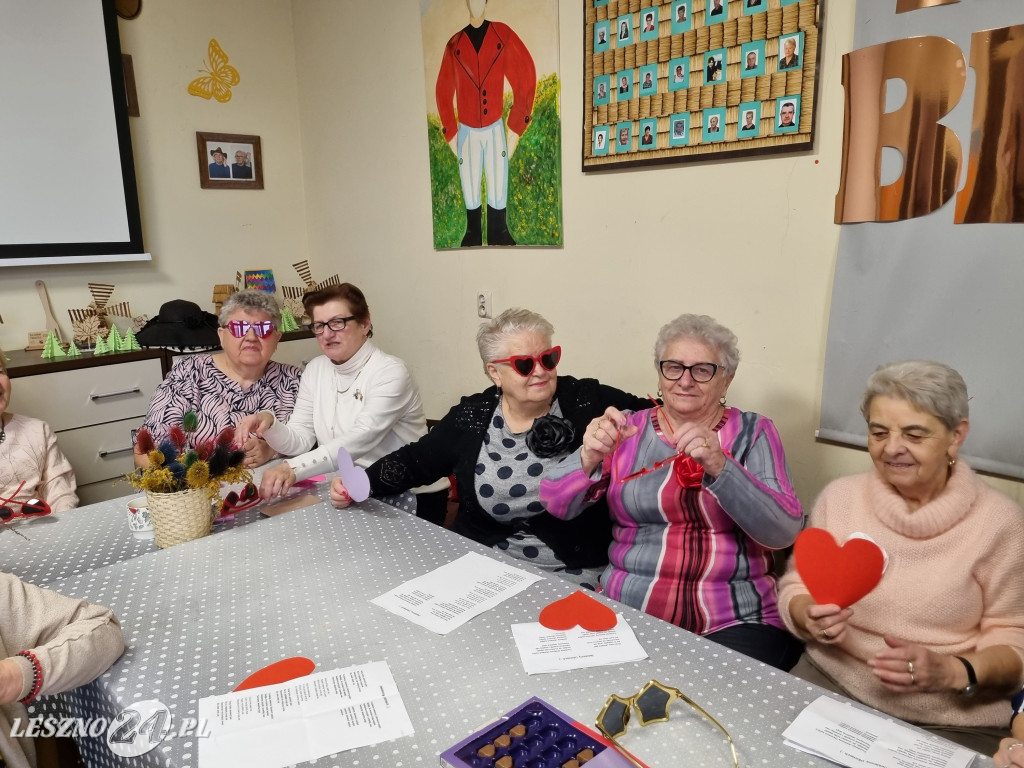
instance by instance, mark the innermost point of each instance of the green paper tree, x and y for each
(130, 343)
(288, 321)
(114, 342)
(101, 345)
(74, 351)
(52, 350)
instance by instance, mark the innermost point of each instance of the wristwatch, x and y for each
(972, 679)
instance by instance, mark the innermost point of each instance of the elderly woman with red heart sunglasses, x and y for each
(700, 496)
(940, 640)
(500, 442)
(35, 477)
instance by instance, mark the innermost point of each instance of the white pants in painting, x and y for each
(483, 151)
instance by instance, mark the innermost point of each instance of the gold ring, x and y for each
(913, 680)
(706, 444)
(910, 667)
(825, 635)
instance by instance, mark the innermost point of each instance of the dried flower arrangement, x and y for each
(175, 464)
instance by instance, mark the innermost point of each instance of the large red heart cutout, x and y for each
(578, 609)
(279, 672)
(837, 574)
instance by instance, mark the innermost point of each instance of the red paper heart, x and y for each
(578, 608)
(834, 574)
(278, 672)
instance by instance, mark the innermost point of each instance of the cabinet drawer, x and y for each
(87, 396)
(102, 452)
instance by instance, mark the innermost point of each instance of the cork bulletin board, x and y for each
(669, 81)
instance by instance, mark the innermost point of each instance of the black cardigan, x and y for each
(453, 446)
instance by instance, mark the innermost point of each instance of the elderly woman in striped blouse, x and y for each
(699, 495)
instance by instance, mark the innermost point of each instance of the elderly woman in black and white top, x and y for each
(498, 444)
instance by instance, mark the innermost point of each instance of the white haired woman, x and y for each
(939, 641)
(222, 387)
(499, 443)
(700, 496)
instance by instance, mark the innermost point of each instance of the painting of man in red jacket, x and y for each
(470, 88)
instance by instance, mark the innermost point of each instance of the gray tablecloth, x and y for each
(200, 617)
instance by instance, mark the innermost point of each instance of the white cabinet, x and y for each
(92, 409)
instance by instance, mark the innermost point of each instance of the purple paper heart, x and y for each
(355, 479)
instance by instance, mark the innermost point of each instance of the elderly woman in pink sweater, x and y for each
(939, 642)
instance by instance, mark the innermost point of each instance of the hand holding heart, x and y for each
(351, 484)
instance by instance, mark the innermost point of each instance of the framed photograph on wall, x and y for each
(229, 161)
(710, 78)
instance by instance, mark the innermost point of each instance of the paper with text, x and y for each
(303, 719)
(449, 596)
(844, 734)
(550, 650)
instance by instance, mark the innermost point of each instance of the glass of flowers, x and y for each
(184, 477)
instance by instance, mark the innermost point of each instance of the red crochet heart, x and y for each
(278, 672)
(837, 574)
(689, 474)
(578, 609)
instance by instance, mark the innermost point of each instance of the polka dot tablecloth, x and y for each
(200, 617)
(68, 543)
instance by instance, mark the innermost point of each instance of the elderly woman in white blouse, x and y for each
(354, 396)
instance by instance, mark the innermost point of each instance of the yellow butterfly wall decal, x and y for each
(219, 77)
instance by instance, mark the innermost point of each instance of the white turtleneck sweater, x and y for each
(368, 405)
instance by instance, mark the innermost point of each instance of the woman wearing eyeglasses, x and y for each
(700, 496)
(222, 387)
(355, 396)
(35, 477)
(499, 443)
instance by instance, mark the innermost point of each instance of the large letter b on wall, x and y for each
(934, 71)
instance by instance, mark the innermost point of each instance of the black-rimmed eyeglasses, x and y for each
(336, 324)
(702, 373)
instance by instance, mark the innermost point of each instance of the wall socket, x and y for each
(483, 305)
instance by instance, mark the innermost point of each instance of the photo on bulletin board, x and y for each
(602, 37)
(649, 80)
(649, 134)
(704, 59)
(787, 114)
(679, 130)
(601, 135)
(229, 161)
(749, 124)
(678, 74)
(716, 12)
(752, 59)
(682, 21)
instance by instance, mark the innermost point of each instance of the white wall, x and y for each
(335, 88)
(198, 237)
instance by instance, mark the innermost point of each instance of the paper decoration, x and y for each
(293, 295)
(260, 280)
(220, 78)
(834, 574)
(578, 609)
(355, 479)
(114, 343)
(52, 350)
(288, 321)
(221, 292)
(278, 672)
(130, 343)
(73, 351)
(101, 347)
(87, 323)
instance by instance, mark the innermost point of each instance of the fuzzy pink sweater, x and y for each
(953, 585)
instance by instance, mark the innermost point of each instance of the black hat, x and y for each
(218, 151)
(180, 324)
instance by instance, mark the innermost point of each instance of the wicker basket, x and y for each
(179, 517)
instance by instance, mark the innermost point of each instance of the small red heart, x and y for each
(578, 608)
(278, 672)
(837, 574)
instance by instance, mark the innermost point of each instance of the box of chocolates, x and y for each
(534, 735)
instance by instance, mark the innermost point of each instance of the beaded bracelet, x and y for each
(37, 675)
